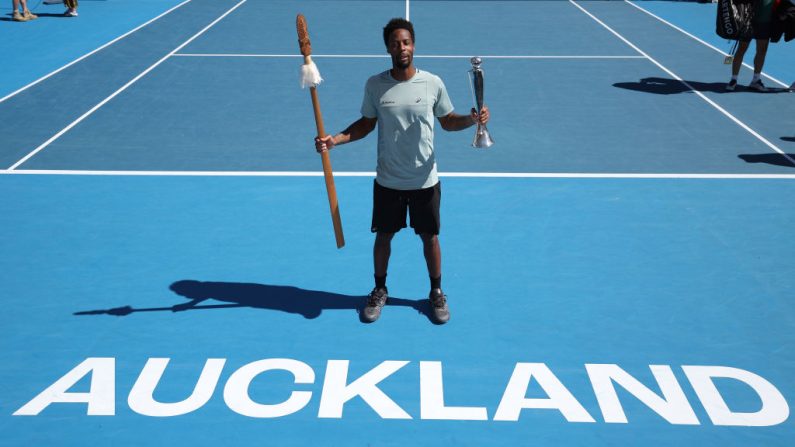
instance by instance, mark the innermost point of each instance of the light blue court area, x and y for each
(617, 265)
(560, 272)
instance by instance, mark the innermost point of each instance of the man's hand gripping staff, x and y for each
(310, 77)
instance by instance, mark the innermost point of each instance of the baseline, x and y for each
(372, 174)
(416, 56)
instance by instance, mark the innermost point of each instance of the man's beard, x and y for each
(398, 63)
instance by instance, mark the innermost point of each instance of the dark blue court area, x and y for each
(618, 264)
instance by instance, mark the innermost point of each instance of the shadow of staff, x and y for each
(308, 303)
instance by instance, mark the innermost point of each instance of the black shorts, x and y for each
(762, 31)
(390, 206)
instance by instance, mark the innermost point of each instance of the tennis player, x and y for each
(403, 101)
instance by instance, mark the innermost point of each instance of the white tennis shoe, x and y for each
(758, 86)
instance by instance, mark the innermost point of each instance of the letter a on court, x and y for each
(100, 398)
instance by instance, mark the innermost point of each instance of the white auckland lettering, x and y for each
(237, 396)
(141, 398)
(670, 403)
(432, 398)
(674, 407)
(336, 392)
(514, 399)
(101, 397)
(774, 409)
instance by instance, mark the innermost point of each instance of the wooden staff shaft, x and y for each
(327, 173)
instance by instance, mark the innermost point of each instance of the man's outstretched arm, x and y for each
(454, 121)
(356, 131)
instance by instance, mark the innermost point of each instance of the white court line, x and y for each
(701, 95)
(123, 88)
(372, 174)
(279, 55)
(416, 56)
(407, 11)
(703, 42)
(89, 54)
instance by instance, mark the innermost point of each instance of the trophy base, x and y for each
(482, 139)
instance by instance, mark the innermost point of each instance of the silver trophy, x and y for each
(482, 137)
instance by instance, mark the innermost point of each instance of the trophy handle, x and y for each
(477, 80)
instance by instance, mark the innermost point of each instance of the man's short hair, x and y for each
(397, 23)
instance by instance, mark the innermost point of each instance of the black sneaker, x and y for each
(731, 85)
(375, 301)
(439, 309)
(758, 86)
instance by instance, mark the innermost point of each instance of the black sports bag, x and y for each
(734, 21)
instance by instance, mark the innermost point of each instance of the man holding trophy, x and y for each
(403, 102)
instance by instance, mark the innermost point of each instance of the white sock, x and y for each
(757, 77)
(734, 77)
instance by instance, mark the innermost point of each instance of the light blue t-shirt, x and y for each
(405, 111)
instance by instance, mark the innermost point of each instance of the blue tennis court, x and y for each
(618, 265)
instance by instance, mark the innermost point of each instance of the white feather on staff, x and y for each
(310, 75)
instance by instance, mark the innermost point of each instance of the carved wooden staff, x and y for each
(310, 77)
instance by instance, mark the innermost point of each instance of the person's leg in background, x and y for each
(23, 14)
(759, 63)
(737, 63)
(71, 8)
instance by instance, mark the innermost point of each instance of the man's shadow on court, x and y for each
(308, 303)
(667, 86)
